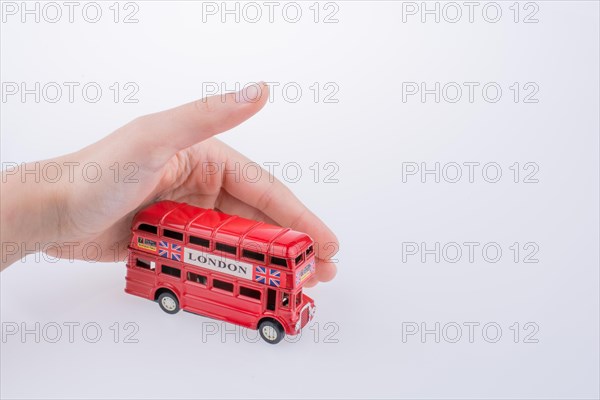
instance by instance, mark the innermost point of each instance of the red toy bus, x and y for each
(222, 266)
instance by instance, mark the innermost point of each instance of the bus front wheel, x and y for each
(168, 302)
(271, 331)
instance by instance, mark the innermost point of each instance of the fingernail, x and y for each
(251, 93)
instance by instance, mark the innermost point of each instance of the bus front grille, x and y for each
(304, 317)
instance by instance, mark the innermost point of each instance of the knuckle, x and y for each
(266, 199)
(204, 106)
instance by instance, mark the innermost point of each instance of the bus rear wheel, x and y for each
(168, 303)
(271, 331)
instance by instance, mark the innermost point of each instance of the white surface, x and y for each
(369, 133)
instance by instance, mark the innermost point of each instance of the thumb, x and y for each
(153, 139)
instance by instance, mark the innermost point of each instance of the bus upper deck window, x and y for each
(226, 248)
(173, 234)
(199, 241)
(148, 228)
(253, 255)
(309, 251)
(279, 261)
(299, 259)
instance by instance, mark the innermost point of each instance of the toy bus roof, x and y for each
(224, 228)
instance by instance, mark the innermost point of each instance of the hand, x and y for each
(171, 150)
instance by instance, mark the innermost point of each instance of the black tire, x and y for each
(168, 303)
(271, 331)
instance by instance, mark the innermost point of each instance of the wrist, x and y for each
(28, 212)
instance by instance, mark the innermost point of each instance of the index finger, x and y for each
(153, 139)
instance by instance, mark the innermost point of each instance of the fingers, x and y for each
(232, 205)
(154, 138)
(325, 270)
(324, 273)
(275, 200)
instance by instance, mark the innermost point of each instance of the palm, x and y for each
(181, 179)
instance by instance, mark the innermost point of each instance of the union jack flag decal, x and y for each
(169, 250)
(268, 276)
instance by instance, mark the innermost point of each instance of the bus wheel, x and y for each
(168, 302)
(271, 331)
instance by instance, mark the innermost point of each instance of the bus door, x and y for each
(141, 276)
(271, 299)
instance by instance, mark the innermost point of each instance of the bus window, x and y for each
(192, 277)
(227, 286)
(299, 298)
(253, 294)
(144, 264)
(200, 241)
(299, 259)
(253, 255)
(173, 234)
(279, 261)
(176, 272)
(309, 251)
(225, 248)
(285, 299)
(148, 228)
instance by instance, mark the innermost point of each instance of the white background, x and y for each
(356, 347)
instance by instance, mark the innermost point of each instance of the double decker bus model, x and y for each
(222, 266)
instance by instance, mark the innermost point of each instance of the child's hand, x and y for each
(177, 160)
